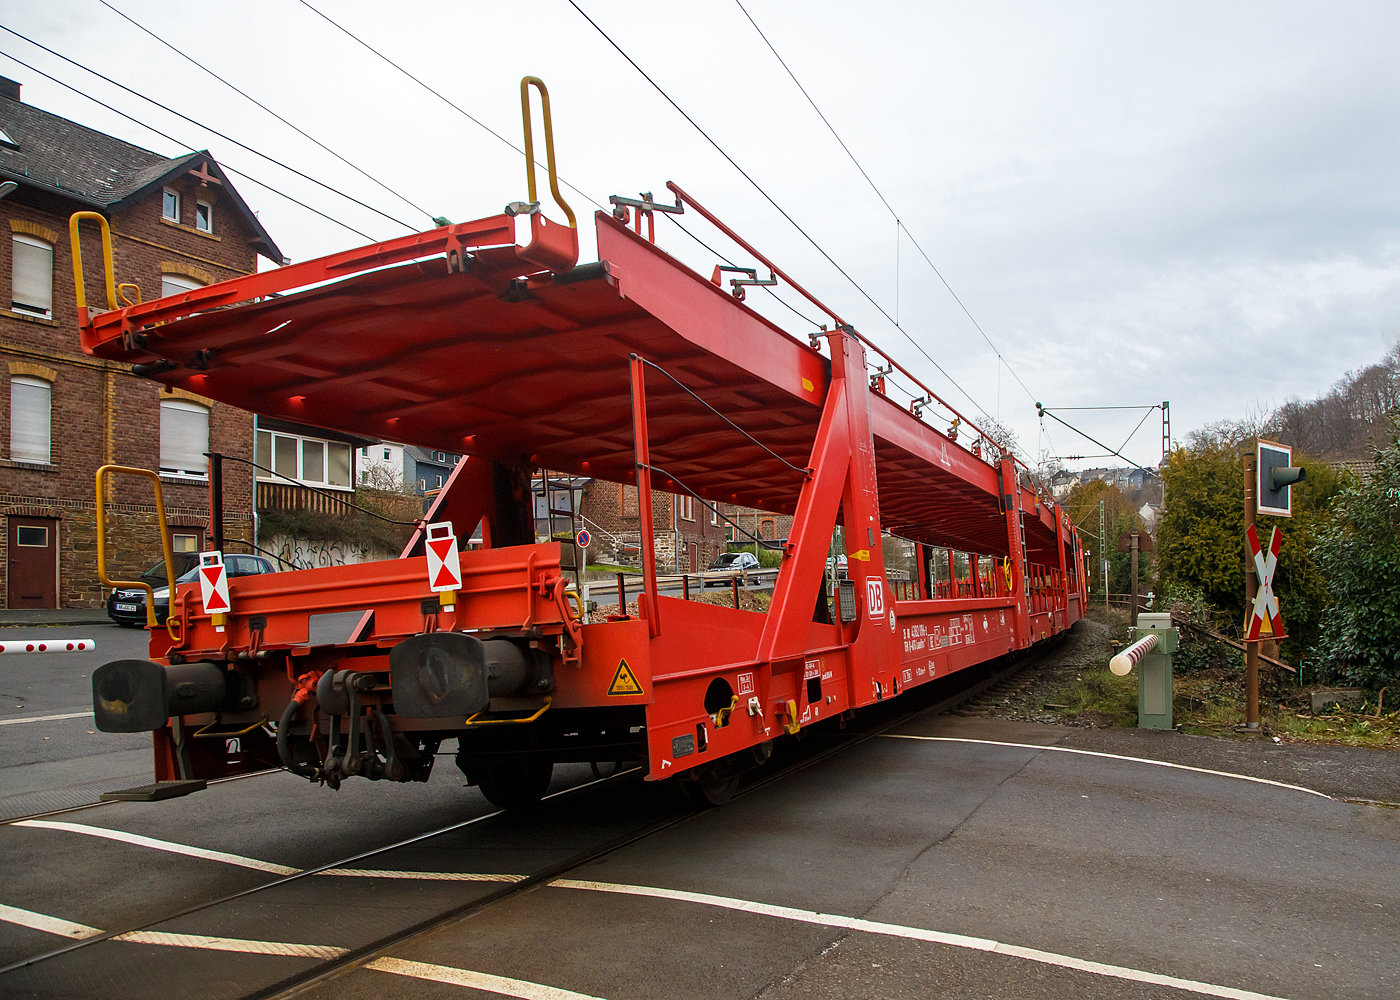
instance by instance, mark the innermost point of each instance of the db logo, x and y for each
(875, 597)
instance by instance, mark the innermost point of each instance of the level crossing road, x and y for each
(956, 858)
(945, 858)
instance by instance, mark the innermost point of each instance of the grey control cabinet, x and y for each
(1155, 672)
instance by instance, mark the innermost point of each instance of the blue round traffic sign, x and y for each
(582, 538)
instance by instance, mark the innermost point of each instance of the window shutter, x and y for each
(32, 286)
(30, 423)
(184, 437)
(174, 284)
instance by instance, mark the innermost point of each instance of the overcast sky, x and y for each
(1196, 202)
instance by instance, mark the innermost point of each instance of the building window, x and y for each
(184, 541)
(174, 284)
(422, 485)
(311, 461)
(386, 454)
(204, 216)
(439, 482)
(29, 537)
(170, 205)
(184, 438)
(31, 284)
(714, 515)
(30, 419)
(685, 507)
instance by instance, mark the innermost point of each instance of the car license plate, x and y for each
(126, 607)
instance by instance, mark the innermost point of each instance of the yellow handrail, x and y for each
(73, 221)
(164, 541)
(473, 720)
(548, 145)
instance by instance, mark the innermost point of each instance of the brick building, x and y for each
(688, 534)
(176, 223)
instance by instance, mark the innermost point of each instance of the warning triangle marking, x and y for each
(441, 546)
(624, 682)
(445, 577)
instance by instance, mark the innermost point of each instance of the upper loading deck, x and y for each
(452, 340)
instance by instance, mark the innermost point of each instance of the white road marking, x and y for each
(42, 922)
(46, 718)
(1113, 756)
(159, 845)
(918, 934)
(232, 944)
(426, 876)
(475, 980)
(66, 928)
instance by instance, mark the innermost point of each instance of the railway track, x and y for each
(623, 811)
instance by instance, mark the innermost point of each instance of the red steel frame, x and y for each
(866, 461)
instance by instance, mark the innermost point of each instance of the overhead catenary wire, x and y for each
(769, 198)
(244, 94)
(212, 131)
(178, 142)
(1096, 441)
(899, 224)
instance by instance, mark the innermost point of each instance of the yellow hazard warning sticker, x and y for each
(807, 384)
(624, 682)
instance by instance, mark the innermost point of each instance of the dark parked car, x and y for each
(127, 605)
(733, 562)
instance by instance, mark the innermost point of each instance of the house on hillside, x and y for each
(176, 223)
(384, 464)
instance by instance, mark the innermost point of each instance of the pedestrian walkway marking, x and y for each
(46, 718)
(919, 934)
(1114, 756)
(209, 943)
(79, 932)
(159, 845)
(624, 682)
(475, 980)
(43, 922)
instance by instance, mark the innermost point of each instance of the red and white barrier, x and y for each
(48, 646)
(1132, 656)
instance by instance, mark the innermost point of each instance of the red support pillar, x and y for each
(646, 601)
(1060, 546)
(1015, 541)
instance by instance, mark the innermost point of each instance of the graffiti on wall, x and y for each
(315, 553)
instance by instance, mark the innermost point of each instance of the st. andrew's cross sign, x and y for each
(1265, 621)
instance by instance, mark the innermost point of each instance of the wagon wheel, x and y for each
(515, 783)
(706, 793)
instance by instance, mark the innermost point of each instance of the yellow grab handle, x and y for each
(525, 83)
(169, 555)
(73, 221)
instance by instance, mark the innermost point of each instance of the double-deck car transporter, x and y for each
(633, 369)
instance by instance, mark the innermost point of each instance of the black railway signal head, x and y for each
(1276, 477)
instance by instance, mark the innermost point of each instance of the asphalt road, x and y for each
(933, 868)
(948, 858)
